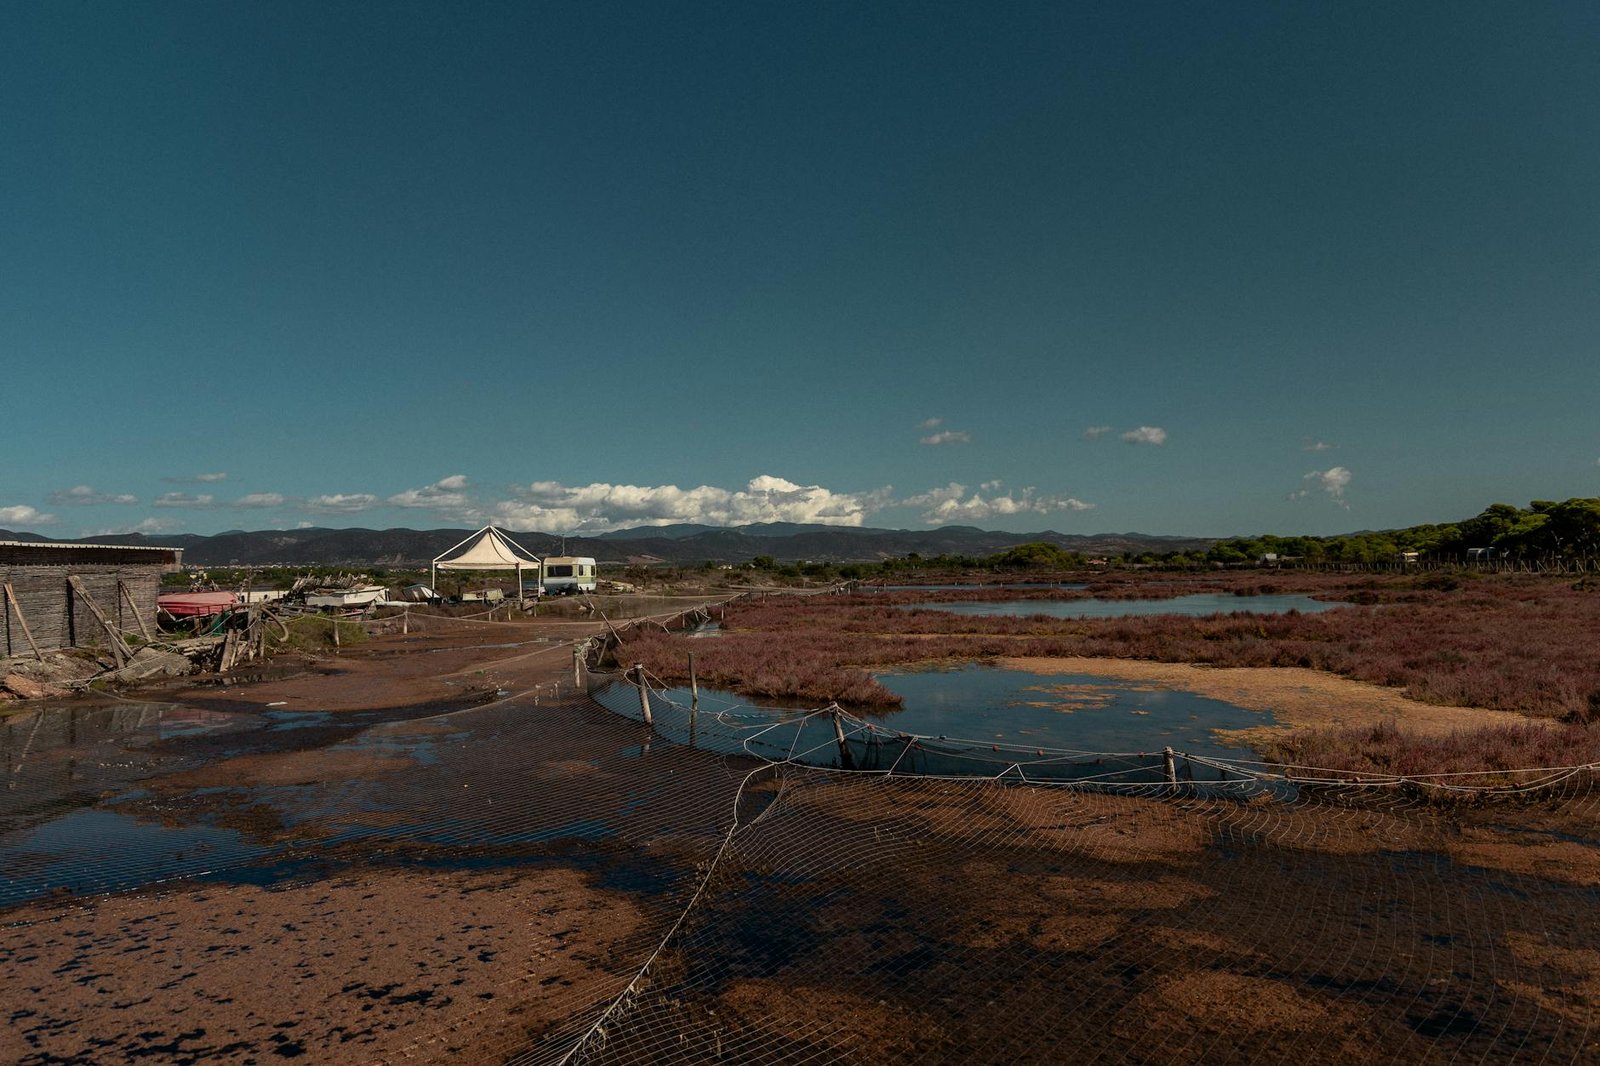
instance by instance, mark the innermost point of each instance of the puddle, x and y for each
(96, 850)
(975, 720)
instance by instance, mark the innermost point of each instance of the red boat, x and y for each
(196, 604)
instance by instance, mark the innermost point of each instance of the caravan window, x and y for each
(558, 571)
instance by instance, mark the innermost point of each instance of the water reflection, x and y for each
(973, 720)
(1195, 605)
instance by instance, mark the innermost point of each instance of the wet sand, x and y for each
(1299, 698)
(880, 920)
(385, 949)
(354, 970)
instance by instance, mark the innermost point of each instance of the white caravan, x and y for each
(566, 575)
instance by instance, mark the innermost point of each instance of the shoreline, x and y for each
(1298, 697)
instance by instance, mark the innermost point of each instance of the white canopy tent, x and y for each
(487, 549)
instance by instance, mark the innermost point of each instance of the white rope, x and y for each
(727, 841)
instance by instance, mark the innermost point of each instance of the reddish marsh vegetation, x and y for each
(1511, 642)
(1386, 749)
(1121, 587)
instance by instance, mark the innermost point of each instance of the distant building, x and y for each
(56, 589)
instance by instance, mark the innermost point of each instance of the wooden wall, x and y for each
(60, 619)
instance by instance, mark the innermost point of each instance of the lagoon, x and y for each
(1197, 605)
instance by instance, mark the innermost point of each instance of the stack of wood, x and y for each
(245, 638)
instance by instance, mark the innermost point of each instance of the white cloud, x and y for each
(341, 503)
(1315, 446)
(149, 525)
(1332, 481)
(447, 494)
(86, 496)
(951, 503)
(949, 436)
(22, 514)
(1146, 435)
(992, 486)
(552, 506)
(221, 475)
(1096, 432)
(183, 499)
(931, 423)
(259, 499)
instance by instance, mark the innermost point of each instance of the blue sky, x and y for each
(1175, 268)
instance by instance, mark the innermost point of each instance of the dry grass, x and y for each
(1387, 749)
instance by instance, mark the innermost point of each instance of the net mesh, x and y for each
(559, 881)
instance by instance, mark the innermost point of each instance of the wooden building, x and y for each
(58, 594)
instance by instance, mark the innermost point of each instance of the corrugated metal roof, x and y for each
(65, 544)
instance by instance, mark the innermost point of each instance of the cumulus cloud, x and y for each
(952, 503)
(200, 502)
(259, 499)
(87, 496)
(1331, 481)
(1146, 435)
(550, 505)
(1315, 445)
(1096, 432)
(22, 514)
(446, 494)
(341, 503)
(931, 423)
(221, 475)
(949, 436)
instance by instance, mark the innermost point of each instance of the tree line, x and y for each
(1545, 529)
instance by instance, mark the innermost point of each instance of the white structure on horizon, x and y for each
(487, 549)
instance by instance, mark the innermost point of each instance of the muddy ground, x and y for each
(422, 849)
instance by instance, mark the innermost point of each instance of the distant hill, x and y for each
(686, 543)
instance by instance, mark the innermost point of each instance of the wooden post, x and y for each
(405, 620)
(134, 607)
(577, 665)
(119, 650)
(11, 598)
(694, 686)
(334, 619)
(230, 651)
(845, 762)
(1169, 766)
(644, 693)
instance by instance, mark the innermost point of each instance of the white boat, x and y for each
(362, 596)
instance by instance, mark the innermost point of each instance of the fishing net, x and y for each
(549, 877)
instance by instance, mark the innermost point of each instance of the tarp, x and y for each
(487, 549)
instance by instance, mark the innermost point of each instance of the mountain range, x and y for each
(684, 543)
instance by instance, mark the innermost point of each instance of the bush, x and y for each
(313, 634)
